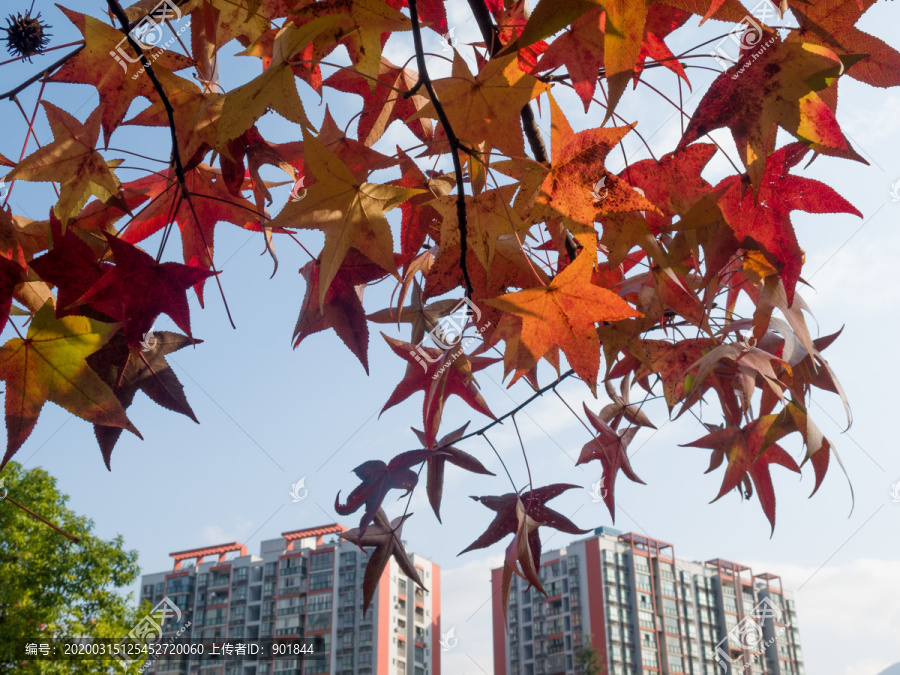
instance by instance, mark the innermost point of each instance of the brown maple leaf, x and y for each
(129, 369)
(343, 310)
(434, 485)
(610, 447)
(378, 479)
(386, 538)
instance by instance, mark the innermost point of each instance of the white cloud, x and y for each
(868, 667)
(852, 275)
(466, 605)
(848, 615)
(214, 534)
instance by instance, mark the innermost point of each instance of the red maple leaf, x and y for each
(673, 182)
(210, 203)
(749, 450)
(610, 447)
(386, 103)
(138, 289)
(580, 50)
(73, 267)
(11, 275)
(766, 220)
(661, 20)
(439, 374)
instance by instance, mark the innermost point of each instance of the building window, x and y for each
(317, 582)
(648, 658)
(321, 561)
(318, 603)
(317, 622)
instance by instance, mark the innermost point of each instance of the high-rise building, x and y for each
(638, 609)
(307, 583)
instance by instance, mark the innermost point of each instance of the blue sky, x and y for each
(271, 415)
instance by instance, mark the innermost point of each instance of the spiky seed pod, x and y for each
(25, 35)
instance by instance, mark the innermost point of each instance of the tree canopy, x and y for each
(530, 252)
(51, 587)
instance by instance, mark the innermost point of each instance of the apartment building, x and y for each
(306, 583)
(642, 611)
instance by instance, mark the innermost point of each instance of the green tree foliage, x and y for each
(588, 659)
(50, 587)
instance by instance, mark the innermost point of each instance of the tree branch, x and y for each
(119, 13)
(529, 123)
(68, 536)
(537, 394)
(455, 145)
(46, 71)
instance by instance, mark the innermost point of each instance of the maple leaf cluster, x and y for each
(559, 259)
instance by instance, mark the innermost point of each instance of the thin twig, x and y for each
(540, 392)
(525, 457)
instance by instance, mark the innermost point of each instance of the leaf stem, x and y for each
(503, 464)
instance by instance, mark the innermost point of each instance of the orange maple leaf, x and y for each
(486, 107)
(564, 313)
(72, 161)
(114, 79)
(578, 186)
